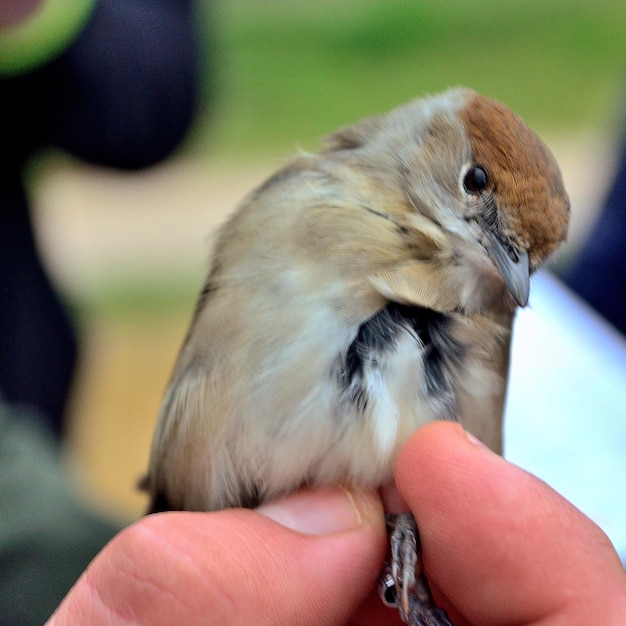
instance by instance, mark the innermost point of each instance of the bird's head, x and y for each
(472, 176)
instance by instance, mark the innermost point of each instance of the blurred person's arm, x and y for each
(113, 82)
(129, 83)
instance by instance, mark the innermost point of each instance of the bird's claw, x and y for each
(404, 583)
(404, 555)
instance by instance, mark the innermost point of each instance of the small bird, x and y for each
(358, 294)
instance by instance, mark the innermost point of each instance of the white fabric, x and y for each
(565, 417)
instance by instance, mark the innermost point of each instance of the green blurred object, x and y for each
(291, 71)
(47, 535)
(52, 28)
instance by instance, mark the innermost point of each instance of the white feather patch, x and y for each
(393, 385)
(383, 414)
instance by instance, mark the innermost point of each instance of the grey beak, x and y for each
(513, 266)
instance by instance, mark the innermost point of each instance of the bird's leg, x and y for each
(404, 584)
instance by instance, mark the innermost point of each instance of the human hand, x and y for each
(237, 566)
(499, 546)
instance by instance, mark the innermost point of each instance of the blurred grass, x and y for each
(121, 299)
(287, 72)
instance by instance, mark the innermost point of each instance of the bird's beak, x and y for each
(512, 265)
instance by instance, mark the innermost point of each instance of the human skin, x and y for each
(499, 547)
(12, 12)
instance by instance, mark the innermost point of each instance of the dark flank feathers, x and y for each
(443, 354)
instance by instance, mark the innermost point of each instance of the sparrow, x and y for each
(359, 293)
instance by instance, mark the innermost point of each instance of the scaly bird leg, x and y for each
(404, 583)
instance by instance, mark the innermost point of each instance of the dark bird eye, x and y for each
(476, 179)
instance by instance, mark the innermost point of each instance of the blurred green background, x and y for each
(129, 251)
(288, 71)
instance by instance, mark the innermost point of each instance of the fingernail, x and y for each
(321, 511)
(477, 442)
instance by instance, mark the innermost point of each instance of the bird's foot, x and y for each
(404, 584)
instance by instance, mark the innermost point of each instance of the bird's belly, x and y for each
(379, 411)
(351, 401)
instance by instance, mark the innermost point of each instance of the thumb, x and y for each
(310, 558)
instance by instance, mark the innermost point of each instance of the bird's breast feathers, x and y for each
(333, 403)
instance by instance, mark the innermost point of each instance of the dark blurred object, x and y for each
(598, 272)
(121, 95)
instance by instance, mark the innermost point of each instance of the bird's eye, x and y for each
(476, 179)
